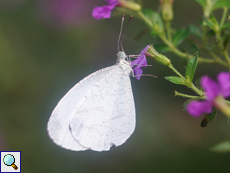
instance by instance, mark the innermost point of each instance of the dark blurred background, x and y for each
(47, 46)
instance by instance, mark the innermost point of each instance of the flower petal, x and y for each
(143, 61)
(140, 63)
(224, 83)
(135, 62)
(197, 108)
(138, 72)
(210, 87)
(103, 12)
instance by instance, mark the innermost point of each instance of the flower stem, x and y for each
(168, 29)
(192, 86)
(218, 60)
(185, 55)
(186, 95)
(227, 56)
(175, 70)
(172, 47)
(147, 21)
(225, 12)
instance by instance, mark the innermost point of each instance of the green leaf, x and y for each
(222, 147)
(191, 67)
(213, 19)
(208, 118)
(195, 30)
(209, 23)
(180, 36)
(154, 33)
(161, 48)
(176, 80)
(221, 4)
(156, 21)
(226, 25)
(212, 23)
(201, 2)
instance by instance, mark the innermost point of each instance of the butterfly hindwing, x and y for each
(58, 124)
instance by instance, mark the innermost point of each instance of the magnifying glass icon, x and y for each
(9, 160)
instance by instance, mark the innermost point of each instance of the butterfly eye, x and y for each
(121, 55)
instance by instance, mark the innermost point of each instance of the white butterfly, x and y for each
(98, 111)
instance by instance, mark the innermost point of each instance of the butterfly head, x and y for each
(123, 58)
(121, 55)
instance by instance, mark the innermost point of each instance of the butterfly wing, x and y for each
(106, 114)
(58, 124)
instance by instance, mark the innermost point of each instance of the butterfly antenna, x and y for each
(119, 38)
(125, 32)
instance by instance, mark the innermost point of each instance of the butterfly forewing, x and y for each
(106, 115)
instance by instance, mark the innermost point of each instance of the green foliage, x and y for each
(156, 21)
(179, 36)
(221, 4)
(176, 80)
(191, 67)
(226, 25)
(213, 5)
(214, 37)
(201, 2)
(195, 30)
(212, 23)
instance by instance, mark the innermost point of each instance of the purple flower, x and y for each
(105, 10)
(213, 89)
(140, 62)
